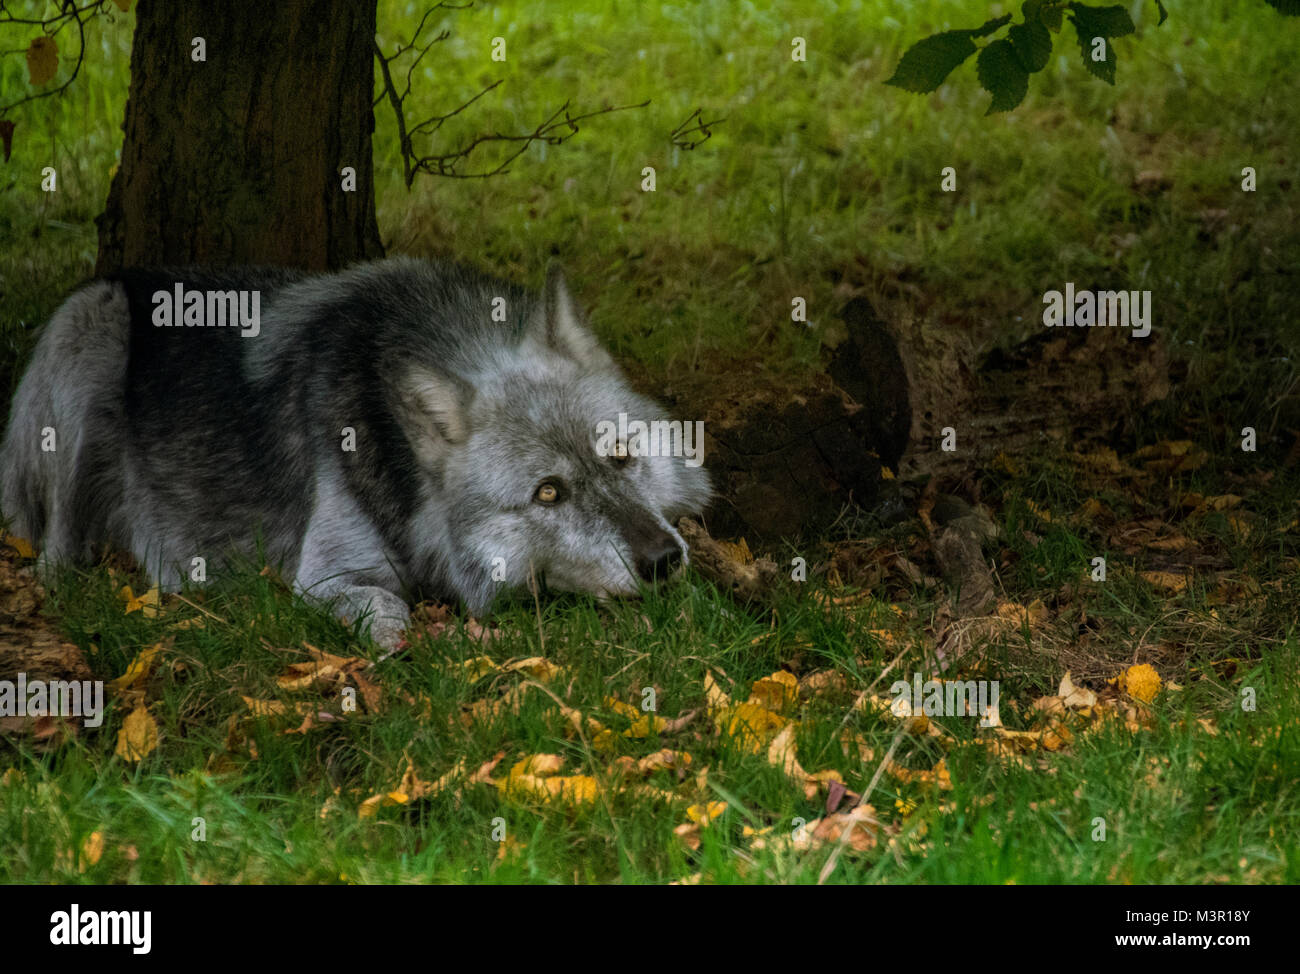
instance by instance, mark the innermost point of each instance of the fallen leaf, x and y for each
(20, 545)
(704, 814)
(1075, 697)
(146, 603)
(1141, 682)
(1168, 581)
(138, 670)
(861, 824)
(750, 726)
(138, 736)
(775, 692)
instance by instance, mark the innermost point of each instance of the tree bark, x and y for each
(237, 159)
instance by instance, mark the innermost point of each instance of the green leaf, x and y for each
(1105, 22)
(1289, 7)
(926, 63)
(990, 26)
(1164, 14)
(1052, 16)
(1094, 22)
(1032, 44)
(1105, 70)
(1002, 75)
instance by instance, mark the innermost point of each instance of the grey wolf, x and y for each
(401, 429)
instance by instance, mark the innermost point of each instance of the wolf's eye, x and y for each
(547, 493)
(620, 457)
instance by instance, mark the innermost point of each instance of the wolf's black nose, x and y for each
(659, 559)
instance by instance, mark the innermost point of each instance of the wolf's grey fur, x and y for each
(176, 442)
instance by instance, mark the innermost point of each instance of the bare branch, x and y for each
(680, 135)
(552, 131)
(548, 131)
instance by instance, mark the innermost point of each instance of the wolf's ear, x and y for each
(433, 410)
(559, 325)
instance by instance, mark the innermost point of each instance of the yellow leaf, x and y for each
(704, 814)
(717, 699)
(938, 775)
(92, 849)
(511, 848)
(781, 754)
(751, 726)
(139, 669)
(621, 708)
(645, 725)
(1056, 737)
(1220, 502)
(1091, 510)
(1004, 464)
(775, 692)
(1034, 614)
(1240, 526)
(1104, 460)
(1141, 681)
(523, 787)
(265, 708)
(534, 778)
(527, 779)
(145, 603)
(1174, 542)
(20, 545)
(1169, 581)
(42, 60)
(372, 804)
(573, 789)
(540, 764)
(1172, 456)
(476, 667)
(665, 758)
(1040, 512)
(138, 736)
(302, 675)
(823, 681)
(538, 667)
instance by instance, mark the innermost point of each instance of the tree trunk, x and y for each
(237, 159)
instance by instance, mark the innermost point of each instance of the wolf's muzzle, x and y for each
(659, 558)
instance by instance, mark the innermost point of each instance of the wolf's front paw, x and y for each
(387, 615)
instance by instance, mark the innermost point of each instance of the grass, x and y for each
(820, 178)
(1179, 804)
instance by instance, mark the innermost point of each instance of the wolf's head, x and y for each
(544, 463)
